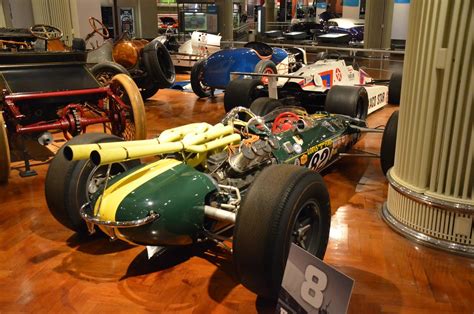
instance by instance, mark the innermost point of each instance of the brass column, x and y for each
(430, 196)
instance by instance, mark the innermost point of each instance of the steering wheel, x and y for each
(46, 32)
(284, 122)
(98, 27)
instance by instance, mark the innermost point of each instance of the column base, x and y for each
(433, 222)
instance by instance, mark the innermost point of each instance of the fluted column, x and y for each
(430, 195)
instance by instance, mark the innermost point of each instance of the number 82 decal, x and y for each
(320, 158)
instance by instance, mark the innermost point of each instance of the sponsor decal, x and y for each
(338, 74)
(320, 146)
(303, 159)
(326, 77)
(377, 99)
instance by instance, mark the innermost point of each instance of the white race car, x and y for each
(325, 83)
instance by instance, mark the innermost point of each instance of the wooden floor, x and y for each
(44, 267)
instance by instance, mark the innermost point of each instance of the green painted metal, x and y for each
(330, 133)
(178, 196)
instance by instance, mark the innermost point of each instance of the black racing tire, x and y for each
(351, 101)
(148, 87)
(266, 66)
(149, 91)
(105, 71)
(197, 75)
(264, 105)
(281, 197)
(66, 181)
(389, 140)
(240, 92)
(395, 88)
(158, 64)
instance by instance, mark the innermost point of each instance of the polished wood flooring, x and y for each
(44, 267)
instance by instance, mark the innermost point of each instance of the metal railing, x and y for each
(377, 60)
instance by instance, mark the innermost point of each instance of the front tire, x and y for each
(389, 140)
(69, 184)
(351, 101)
(284, 204)
(241, 92)
(197, 77)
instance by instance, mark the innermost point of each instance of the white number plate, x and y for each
(311, 286)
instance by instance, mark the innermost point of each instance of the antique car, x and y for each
(320, 84)
(147, 62)
(214, 72)
(44, 92)
(253, 173)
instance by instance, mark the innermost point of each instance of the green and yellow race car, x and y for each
(253, 173)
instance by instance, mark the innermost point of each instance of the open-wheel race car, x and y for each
(327, 82)
(215, 71)
(46, 92)
(253, 173)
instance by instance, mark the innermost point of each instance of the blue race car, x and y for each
(214, 72)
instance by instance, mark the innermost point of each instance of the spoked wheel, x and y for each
(128, 119)
(70, 184)
(104, 72)
(197, 80)
(4, 152)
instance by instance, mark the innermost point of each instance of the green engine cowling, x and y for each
(169, 188)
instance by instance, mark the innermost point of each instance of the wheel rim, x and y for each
(265, 79)
(97, 177)
(307, 227)
(205, 89)
(4, 152)
(127, 122)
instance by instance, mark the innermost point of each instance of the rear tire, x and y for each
(351, 101)
(264, 105)
(241, 92)
(389, 140)
(281, 202)
(395, 88)
(4, 152)
(66, 181)
(197, 77)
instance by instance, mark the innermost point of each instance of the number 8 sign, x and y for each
(311, 286)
